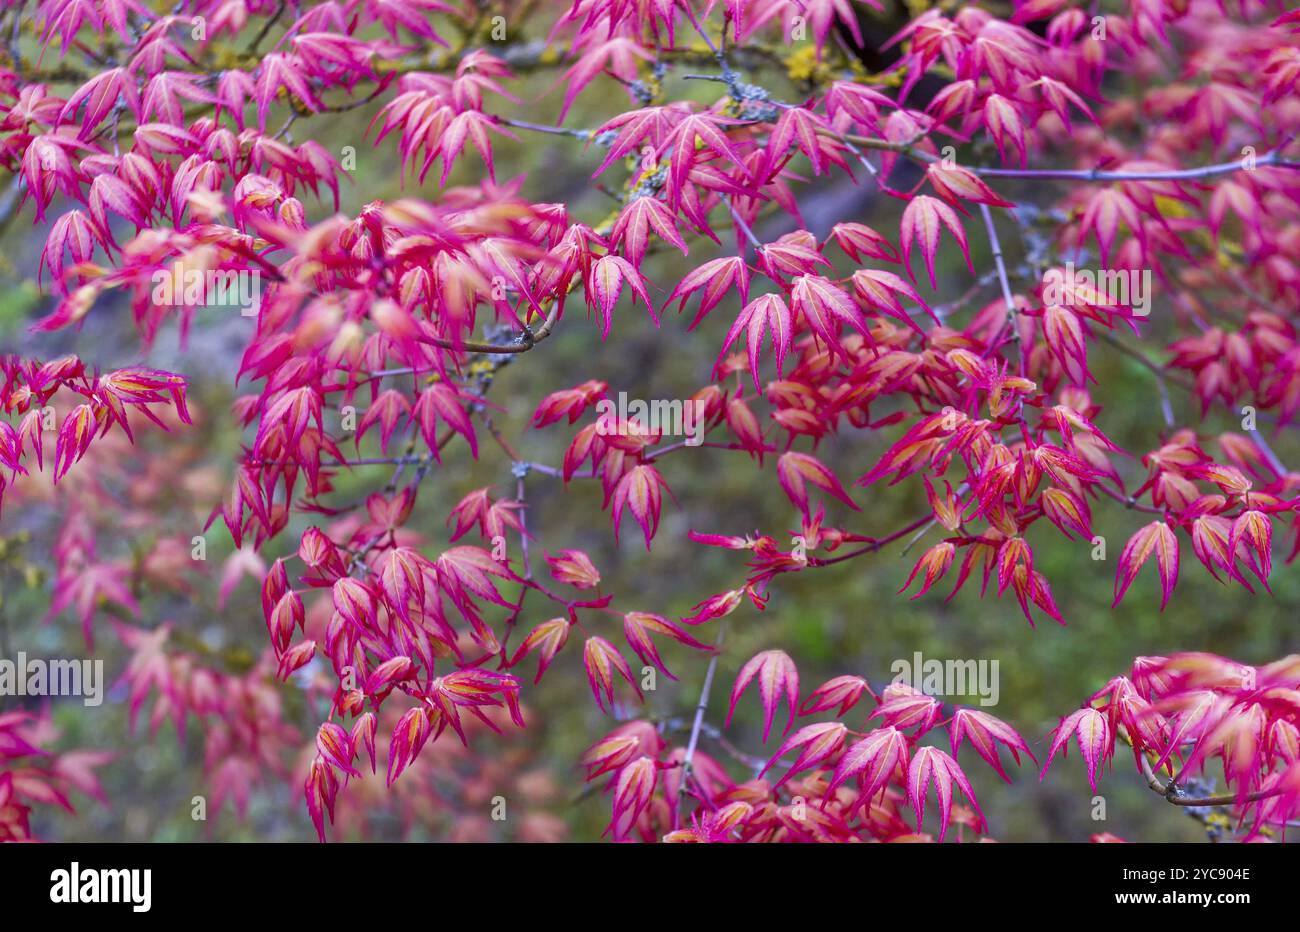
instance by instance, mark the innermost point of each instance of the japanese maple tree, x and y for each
(934, 350)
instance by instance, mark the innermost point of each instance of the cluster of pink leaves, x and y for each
(450, 790)
(31, 775)
(1181, 712)
(854, 785)
(1176, 713)
(241, 718)
(92, 405)
(1006, 431)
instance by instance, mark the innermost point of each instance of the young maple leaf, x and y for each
(921, 222)
(140, 387)
(879, 291)
(47, 167)
(349, 57)
(634, 789)
(465, 572)
(844, 691)
(100, 95)
(1003, 122)
(163, 94)
(1032, 586)
(320, 790)
(409, 735)
(547, 638)
(165, 139)
(604, 284)
(795, 470)
(1158, 538)
(393, 670)
(776, 675)
(931, 764)
(470, 689)
(799, 127)
(66, 17)
(1210, 534)
(471, 125)
(858, 240)
(1253, 528)
(625, 743)
(715, 827)
(767, 312)
(744, 425)
(1014, 553)
(88, 590)
(618, 57)
(817, 744)
(442, 402)
(72, 233)
(985, 734)
(858, 102)
(1066, 337)
(955, 100)
(355, 603)
(1193, 712)
(1281, 800)
(636, 220)
(639, 129)
(412, 15)
(573, 567)
(1241, 200)
(111, 194)
(795, 253)
(821, 16)
(291, 412)
(697, 130)
(75, 434)
(244, 561)
(822, 304)
(1058, 98)
(954, 184)
(363, 736)
(295, 658)
(1105, 208)
(718, 606)
(872, 762)
(282, 71)
(904, 707)
(716, 278)
(639, 490)
(638, 626)
(1095, 737)
(569, 402)
(385, 411)
(493, 518)
(335, 746)
(602, 659)
(234, 90)
(935, 562)
(1068, 511)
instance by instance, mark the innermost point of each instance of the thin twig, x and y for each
(700, 708)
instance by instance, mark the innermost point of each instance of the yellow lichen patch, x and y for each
(732, 107)
(804, 65)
